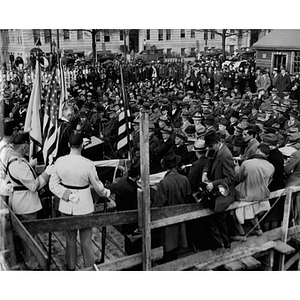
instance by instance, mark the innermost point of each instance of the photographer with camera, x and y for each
(218, 174)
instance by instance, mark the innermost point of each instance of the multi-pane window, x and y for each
(121, 35)
(193, 33)
(205, 34)
(47, 34)
(160, 34)
(182, 33)
(66, 34)
(296, 64)
(36, 35)
(98, 36)
(212, 35)
(168, 34)
(148, 34)
(169, 51)
(79, 34)
(182, 51)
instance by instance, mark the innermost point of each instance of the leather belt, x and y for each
(20, 188)
(75, 187)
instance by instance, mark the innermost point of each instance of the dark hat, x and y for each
(82, 113)
(286, 93)
(295, 102)
(190, 129)
(135, 170)
(199, 145)
(8, 128)
(21, 138)
(167, 129)
(224, 122)
(239, 127)
(211, 137)
(171, 160)
(293, 113)
(235, 114)
(239, 142)
(181, 135)
(286, 103)
(292, 130)
(210, 120)
(76, 138)
(270, 139)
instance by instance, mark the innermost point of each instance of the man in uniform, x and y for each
(24, 200)
(70, 181)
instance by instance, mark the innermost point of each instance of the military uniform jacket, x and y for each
(74, 173)
(21, 175)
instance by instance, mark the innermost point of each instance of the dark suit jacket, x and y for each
(221, 170)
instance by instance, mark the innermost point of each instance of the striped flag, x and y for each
(64, 91)
(125, 128)
(50, 123)
(33, 120)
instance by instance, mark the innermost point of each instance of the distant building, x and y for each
(279, 48)
(174, 42)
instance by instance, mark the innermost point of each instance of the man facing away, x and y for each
(70, 182)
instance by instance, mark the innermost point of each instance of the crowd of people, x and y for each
(209, 123)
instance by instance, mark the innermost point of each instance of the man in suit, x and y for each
(218, 170)
(173, 189)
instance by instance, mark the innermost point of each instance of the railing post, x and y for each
(285, 224)
(145, 179)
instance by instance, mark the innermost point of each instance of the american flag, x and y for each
(64, 91)
(125, 128)
(50, 123)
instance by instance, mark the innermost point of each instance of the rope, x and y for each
(255, 226)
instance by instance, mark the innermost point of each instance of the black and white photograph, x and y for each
(135, 150)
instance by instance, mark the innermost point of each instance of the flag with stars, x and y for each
(125, 129)
(50, 122)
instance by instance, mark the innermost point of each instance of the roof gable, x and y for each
(280, 39)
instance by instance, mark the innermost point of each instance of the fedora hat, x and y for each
(171, 160)
(181, 135)
(270, 139)
(211, 137)
(239, 142)
(199, 145)
(167, 130)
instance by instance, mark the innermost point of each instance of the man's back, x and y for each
(254, 176)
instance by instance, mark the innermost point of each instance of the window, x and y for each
(168, 35)
(205, 34)
(148, 34)
(193, 33)
(106, 36)
(182, 33)
(193, 49)
(182, 51)
(121, 35)
(296, 64)
(47, 34)
(98, 36)
(36, 35)
(79, 34)
(212, 35)
(66, 34)
(169, 52)
(160, 35)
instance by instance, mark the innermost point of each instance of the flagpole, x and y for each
(126, 108)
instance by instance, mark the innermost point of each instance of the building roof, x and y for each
(288, 39)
